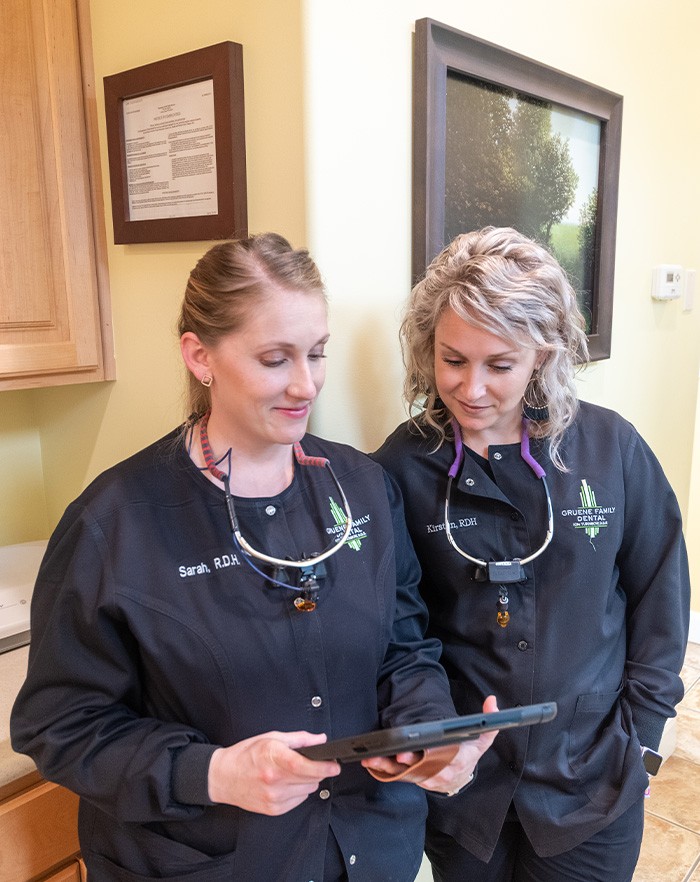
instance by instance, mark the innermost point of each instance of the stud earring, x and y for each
(206, 380)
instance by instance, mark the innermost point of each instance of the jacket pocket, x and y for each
(101, 869)
(134, 853)
(599, 742)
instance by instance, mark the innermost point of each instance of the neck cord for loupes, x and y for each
(307, 566)
(499, 572)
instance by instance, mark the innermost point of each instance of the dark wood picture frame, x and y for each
(440, 50)
(223, 64)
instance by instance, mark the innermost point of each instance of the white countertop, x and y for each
(13, 670)
(19, 565)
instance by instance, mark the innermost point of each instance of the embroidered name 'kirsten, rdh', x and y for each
(462, 522)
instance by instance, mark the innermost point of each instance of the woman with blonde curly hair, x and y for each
(553, 566)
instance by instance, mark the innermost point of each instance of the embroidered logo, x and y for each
(591, 517)
(357, 534)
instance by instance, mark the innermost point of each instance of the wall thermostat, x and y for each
(667, 281)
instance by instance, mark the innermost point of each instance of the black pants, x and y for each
(609, 856)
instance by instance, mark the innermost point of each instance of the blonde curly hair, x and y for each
(500, 281)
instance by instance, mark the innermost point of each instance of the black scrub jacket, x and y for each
(599, 625)
(153, 643)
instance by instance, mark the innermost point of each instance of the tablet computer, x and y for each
(418, 736)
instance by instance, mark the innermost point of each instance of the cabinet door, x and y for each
(54, 321)
(38, 831)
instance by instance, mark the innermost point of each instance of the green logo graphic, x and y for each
(355, 542)
(588, 501)
(590, 516)
(593, 515)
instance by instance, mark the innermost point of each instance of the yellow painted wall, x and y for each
(358, 62)
(22, 501)
(692, 531)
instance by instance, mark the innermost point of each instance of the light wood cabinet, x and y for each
(39, 834)
(55, 324)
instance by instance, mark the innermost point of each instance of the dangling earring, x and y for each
(206, 380)
(532, 409)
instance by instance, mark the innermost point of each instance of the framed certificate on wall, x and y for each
(176, 144)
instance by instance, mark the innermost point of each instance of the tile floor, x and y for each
(671, 844)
